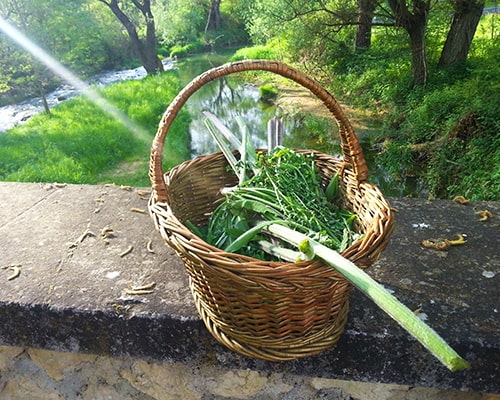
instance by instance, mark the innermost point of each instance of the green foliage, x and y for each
(181, 26)
(255, 53)
(179, 22)
(268, 92)
(444, 134)
(314, 132)
(439, 132)
(379, 76)
(80, 143)
(448, 133)
(468, 169)
(312, 30)
(191, 48)
(81, 34)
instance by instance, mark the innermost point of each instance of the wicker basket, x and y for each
(270, 310)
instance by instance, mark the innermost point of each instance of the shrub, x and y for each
(180, 51)
(256, 52)
(268, 92)
(449, 133)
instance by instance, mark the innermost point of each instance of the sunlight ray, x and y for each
(64, 73)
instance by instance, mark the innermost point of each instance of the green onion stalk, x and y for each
(376, 292)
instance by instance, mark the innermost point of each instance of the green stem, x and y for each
(247, 236)
(219, 138)
(387, 302)
(280, 252)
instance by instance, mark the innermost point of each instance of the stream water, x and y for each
(227, 98)
(14, 114)
(230, 97)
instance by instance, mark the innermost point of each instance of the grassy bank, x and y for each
(446, 133)
(80, 143)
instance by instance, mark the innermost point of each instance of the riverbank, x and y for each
(295, 100)
(14, 114)
(80, 142)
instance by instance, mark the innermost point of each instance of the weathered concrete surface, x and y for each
(72, 296)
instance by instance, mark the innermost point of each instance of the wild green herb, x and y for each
(282, 185)
(287, 187)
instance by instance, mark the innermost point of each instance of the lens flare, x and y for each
(65, 74)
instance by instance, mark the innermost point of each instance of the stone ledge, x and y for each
(71, 295)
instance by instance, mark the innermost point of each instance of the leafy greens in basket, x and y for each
(279, 208)
(285, 186)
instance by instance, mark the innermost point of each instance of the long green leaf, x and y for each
(246, 237)
(248, 148)
(386, 301)
(231, 159)
(332, 189)
(221, 128)
(243, 151)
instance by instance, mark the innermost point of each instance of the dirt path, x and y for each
(298, 99)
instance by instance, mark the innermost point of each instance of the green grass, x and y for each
(256, 52)
(446, 133)
(80, 143)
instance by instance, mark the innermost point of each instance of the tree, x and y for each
(314, 29)
(214, 17)
(364, 24)
(81, 34)
(463, 27)
(34, 19)
(144, 48)
(178, 21)
(414, 22)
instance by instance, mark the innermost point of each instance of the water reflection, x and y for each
(228, 98)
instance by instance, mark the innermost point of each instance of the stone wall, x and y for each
(28, 373)
(71, 297)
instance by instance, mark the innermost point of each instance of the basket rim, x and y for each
(232, 260)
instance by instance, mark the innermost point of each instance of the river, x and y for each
(15, 114)
(228, 98)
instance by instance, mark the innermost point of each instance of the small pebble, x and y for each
(113, 274)
(423, 316)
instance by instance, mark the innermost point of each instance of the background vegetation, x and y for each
(80, 143)
(447, 131)
(409, 63)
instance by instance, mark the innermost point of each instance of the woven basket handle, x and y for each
(351, 148)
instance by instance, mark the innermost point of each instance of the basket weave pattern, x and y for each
(271, 310)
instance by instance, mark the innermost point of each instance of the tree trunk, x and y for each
(462, 30)
(146, 51)
(364, 27)
(43, 96)
(154, 64)
(214, 18)
(418, 53)
(415, 24)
